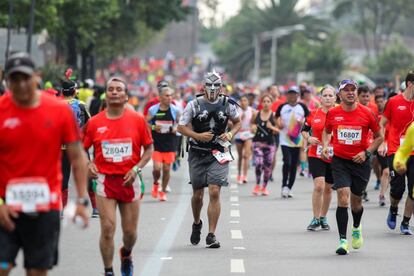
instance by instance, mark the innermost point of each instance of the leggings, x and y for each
(290, 163)
(263, 155)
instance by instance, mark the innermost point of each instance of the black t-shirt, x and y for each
(263, 133)
(164, 142)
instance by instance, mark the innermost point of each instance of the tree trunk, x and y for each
(72, 58)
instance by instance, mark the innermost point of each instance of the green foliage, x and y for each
(395, 59)
(235, 45)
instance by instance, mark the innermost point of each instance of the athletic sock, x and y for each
(342, 221)
(357, 217)
(394, 210)
(109, 270)
(405, 221)
(125, 252)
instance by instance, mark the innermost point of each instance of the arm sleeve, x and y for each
(187, 115)
(234, 111)
(403, 152)
(307, 125)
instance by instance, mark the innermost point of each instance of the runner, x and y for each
(244, 140)
(382, 160)
(290, 117)
(264, 127)
(364, 98)
(163, 118)
(348, 124)
(117, 135)
(82, 116)
(30, 160)
(319, 168)
(209, 152)
(398, 115)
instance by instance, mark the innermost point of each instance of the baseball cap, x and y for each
(344, 83)
(19, 62)
(162, 84)
(293, 89)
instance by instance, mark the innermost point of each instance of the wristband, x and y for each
(153, 127)
(136, 169)
(83, 201)
(229, 135)
(1, 201)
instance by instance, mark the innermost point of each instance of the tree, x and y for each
(235, 46)
(395, 59)
(375, 20)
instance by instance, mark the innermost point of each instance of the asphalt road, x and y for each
(259, 236)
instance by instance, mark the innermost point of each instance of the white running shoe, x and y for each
(285, 192)
(168, 189)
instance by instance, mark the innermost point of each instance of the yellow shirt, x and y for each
(405, 149)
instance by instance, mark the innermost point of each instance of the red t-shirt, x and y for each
(150, 103)
(399, 113)
(374, 109)
(117, 142)
(350, 130)
(277, 103)
(316, 121)
(31, 140)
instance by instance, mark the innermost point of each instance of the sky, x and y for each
(227, 9)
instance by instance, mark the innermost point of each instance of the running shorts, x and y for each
(112, 187)
(347, 173)
(319, 168)
(397, 182)
(164, 157)
(37, 235)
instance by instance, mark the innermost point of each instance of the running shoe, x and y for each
(377, 184)
(357, 239)
(343, 247)
(285, 192)
(302, 173)
(382, 201)
(265, 192)
(95, 213)
(211, 241)
(324, 223)
(244, 179)
(154, 192)
(314, 225)
(162, 196)
(392, 220)
(405, 229)
(127, 266)
(256, 190)
(109, 274)
(290, 194)
(168, 189)
(239, 179)
(196, 233)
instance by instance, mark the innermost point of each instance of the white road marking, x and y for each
(234, 221)
(235, 213)
(235, 204)
(237, 266)
(234, 198)
(234, 191)
(239, 248)
(233, 186)
(236, 235)
(166, 258)
(162, 218)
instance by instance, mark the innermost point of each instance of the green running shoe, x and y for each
(343, 247)
(357, 239)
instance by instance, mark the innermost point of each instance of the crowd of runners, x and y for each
(336, 134)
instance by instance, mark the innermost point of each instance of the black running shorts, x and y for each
(347, 173)
(319, 168)
(397, 182)
(38, 236)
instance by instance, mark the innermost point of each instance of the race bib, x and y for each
(165, 126)
(245, 135)
(117, 150)
(319, 151)
(222, 157)
(28, 195)
(349, 135)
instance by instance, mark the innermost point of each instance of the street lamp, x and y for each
(273, 35)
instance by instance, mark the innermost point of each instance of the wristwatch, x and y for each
(83, 201)
(368, 154)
